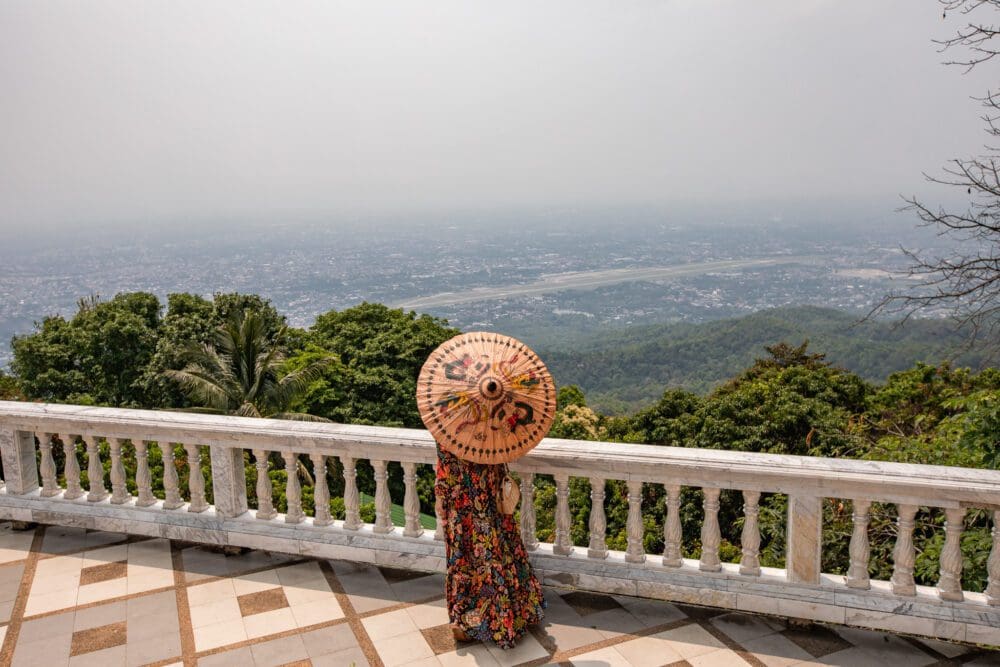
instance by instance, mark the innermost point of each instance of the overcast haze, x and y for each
(146, 112)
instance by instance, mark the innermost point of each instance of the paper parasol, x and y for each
(485, 397)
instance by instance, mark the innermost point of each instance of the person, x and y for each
(492, 593)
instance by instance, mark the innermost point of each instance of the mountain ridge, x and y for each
(627, 369)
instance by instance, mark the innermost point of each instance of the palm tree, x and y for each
(240, 374)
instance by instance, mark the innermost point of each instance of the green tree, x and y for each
(790, 402)
(190, 320)
(570, 395)
(241, 372)
(576, 422)
(671, 421)
(96, 357)
(9, 388)
(381, 351)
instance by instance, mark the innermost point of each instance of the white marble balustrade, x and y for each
(31, 435)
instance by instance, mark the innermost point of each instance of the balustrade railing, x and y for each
(40, 484)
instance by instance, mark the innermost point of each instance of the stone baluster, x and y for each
(171, 485)
(411, 501)
(528, 535)
(804, 539)
(950, 582)
(383, 503)
(196, 479)
(993, 565)
(903, 555)
(321, 492)
(352, 502)
(750, 537)
(672, 528)
(19, 454)
(293, 491)
(563, 546)
(95, 470)
(634, 552)
(47, 467)
(143, 479)
(598, 523)
(119, 489)
(229, 481)
(857, 575)
(265, 505)
(710, 533)
(71, 469)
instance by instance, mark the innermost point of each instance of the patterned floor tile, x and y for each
(404, 648)
(875, 649)
(648, 652)
(206, 562)
(816, 640)
(15, 545)
(470, 655)
(775, 650)
(721, 658)
(429, 614)
(689, 641)
(391, 624)
(378, 587)
(59, 539)
(240, 656)
(529, 649)
(116, 656)
(585, 603)
(98, 574)
(564, 637)
(263, 603)
(98, 638)
(947, 649)
(349, 656)
(744, 627)
(10, 584)
(99, 599)
(651, 612)
(605, 657)
(144, 636)
(279, 652)
(333, 639)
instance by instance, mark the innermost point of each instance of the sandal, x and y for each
(459, 634)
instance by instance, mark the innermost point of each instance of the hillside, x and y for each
(624, 370)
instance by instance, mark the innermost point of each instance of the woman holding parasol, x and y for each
(487, 399)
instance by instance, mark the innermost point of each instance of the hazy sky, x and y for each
(148, 112)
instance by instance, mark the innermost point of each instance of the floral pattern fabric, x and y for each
(492, 593)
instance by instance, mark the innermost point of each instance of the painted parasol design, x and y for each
(485, 397)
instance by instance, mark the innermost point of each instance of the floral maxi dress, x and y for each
(491, 591)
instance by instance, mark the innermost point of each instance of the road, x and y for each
(586, 280)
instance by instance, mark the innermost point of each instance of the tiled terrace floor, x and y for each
(75, 597)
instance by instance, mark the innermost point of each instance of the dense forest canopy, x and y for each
(789, 398)
(624, 370)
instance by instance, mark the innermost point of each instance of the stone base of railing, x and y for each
(362, 545)
(769, 593)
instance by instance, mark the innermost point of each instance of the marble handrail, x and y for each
(33, 437)
(941, 486)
